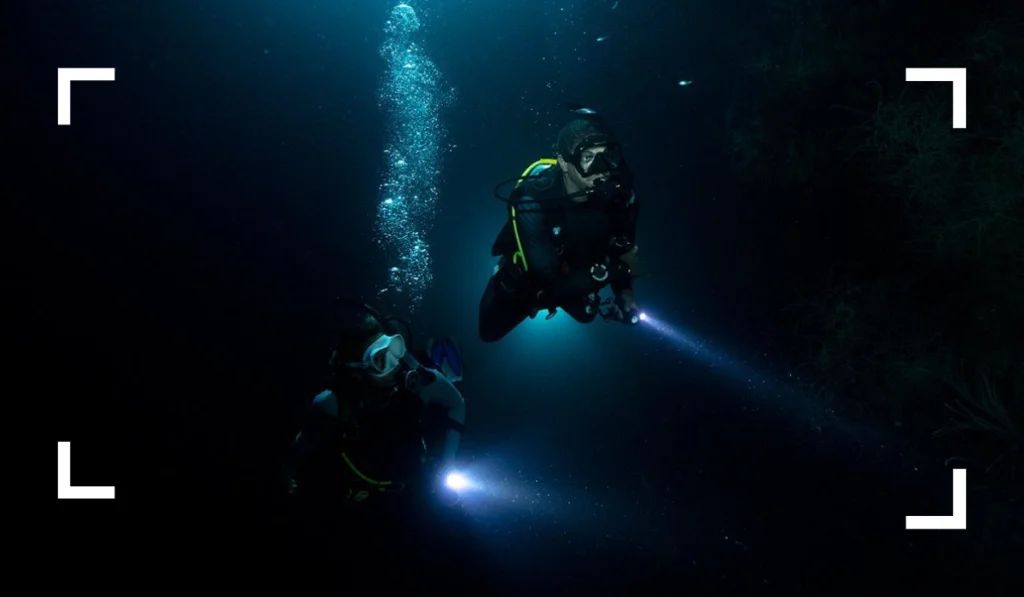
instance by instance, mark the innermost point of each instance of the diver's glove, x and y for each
(625, 302)
(543, 302)
(622, 309)
(629, 316)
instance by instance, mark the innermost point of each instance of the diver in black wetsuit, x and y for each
(366, 474)
(571, 232)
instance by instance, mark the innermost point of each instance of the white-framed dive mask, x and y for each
(382, 357)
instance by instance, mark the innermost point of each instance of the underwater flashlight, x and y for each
(456, 482)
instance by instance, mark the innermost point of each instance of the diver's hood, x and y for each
(617, 188)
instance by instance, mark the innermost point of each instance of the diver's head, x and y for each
(586, 155)
(365, 352)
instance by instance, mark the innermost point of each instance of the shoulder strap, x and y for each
(536, 168)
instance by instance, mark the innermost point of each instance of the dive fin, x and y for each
(446, 355)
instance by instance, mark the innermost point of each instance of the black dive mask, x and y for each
(590, 162)
(615, 186)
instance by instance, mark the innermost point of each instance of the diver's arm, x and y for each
(623, 279)
(622, 283)
(302, 447)
(317, 433)
(542, 261)
(448, 397)
(632, 213)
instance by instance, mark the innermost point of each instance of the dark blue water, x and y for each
(213, 200)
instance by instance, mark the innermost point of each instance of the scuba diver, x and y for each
(571, 231)
(384, 421)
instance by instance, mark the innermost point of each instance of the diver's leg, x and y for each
(582, 310)
(501, 309)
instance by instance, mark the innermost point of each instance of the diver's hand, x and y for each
(624, 308)
(542, 302)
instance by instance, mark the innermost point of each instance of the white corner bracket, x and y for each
(64, 489)
(956, 522)
(956, 76)
(64, 78)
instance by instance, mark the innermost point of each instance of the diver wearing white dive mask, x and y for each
(361, 396)
(383, 357)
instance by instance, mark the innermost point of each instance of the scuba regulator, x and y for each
(601, 154)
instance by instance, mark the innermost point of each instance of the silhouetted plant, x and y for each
(873, 339)
(978, 408)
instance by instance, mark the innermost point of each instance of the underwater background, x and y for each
(834, 279)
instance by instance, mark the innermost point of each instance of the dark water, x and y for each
(202, 211)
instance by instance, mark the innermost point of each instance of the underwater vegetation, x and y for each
(918, 327)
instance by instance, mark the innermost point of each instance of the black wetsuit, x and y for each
(561, 241)
(384, 441)
(338, 509)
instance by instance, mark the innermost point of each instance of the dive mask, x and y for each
(383, 356)
(615, 184)
(590, 162)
